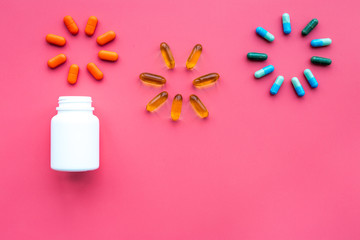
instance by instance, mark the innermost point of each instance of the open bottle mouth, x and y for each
(75, 103)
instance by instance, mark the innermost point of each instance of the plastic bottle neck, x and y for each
(75, 103)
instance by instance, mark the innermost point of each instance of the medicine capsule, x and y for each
(198, 106)
(310, 78)
(57, 60)
(106, 37)
(71, 25)
(91, 26)
(297, 86)
(264, 71)
(194, 56)
(286, 23)
(55, 40)
(277, 84)
(320, 60)
(167, 55)
(206, 80)
(152, 79)
(95, 71)
(176, 107)
(257, 56)
(321, 42)
(309, 27)
(265, 34)
(108, 55)
(157, 101)
(73, 74)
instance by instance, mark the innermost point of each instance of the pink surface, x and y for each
(260, 167)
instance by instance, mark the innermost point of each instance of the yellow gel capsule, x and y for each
(176, 107)
(71, 25)
(206, 80)
(198, 106)
(55, 40)
(152, 79)
(57, 61)
(194, 56)
(91, 26)
(167, 55)
(106, 37)
(108, 56)
(73, 74)
(157, 101)
(95, 71)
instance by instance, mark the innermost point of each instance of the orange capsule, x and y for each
(108, 56)
(71, 25)
(91, 26)
(57, 60)
(55, 40)
(106, 37)
(95, 71)
(73, 74)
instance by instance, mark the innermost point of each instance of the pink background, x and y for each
(260, 167)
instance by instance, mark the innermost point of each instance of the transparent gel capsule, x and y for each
(167, 55)
(157, 101)
(176, 107)
(198, 106)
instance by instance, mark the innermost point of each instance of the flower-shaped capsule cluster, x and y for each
(89, 30)
(157, 80)
(307, 72)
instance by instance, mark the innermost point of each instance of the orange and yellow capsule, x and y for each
(91, 26)
(95, 71)
(167, 55)
(106, 37)
(152, 79)
(55, 40)
(157, 101)
(194, 56)
(108, 56)
(176, 107)
(73, 74)
(206, 80)
(57, 61)
(71, 25)
(198, 106)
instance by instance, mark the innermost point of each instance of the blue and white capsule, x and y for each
(264, 71)
(310, 78)
(277, 84)
(265, 34)
(321, 42)
(286, 23)
(297, 86)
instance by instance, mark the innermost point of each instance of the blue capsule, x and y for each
(264, 71)
(321, 42)
(310, 78)
(277, 84)
(297, 86)
(265, 34)
(286, 23)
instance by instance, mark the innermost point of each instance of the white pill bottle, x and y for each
(74, 135)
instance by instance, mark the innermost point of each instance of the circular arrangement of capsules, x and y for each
(89, 31)
(157, 80)
(254, 56)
